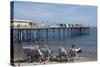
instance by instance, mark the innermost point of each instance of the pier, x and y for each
(33, 34)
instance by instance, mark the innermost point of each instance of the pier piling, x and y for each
(38, 34)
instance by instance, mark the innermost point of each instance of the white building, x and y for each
(22, 23)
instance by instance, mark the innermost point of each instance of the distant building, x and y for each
(61, 25)
(54, 25)
(22, 23)
(43, 25)
(69, 25)
(75, 25)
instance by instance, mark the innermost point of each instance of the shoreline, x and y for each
(80, 60)
(84, 57)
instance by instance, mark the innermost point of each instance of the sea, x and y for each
(87, 43)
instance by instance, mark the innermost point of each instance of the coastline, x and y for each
(84, 57)
(91, 57)
(81, 60)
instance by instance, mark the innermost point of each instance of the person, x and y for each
(62, 51)
(46, 51)
(77, 49)
(62, 54)
(73, 46)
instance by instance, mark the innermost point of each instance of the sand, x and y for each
(81, 59)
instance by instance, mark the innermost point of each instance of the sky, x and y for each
(55, 13)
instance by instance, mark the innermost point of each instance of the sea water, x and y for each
(88, 43)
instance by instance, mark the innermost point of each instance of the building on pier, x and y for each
(43, 26)
(69, 25)
(22, 24)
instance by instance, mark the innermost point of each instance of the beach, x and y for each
(88, 44)
(83, 57)
(80, 60)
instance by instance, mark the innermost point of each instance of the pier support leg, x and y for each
(64, 32)
(53, 33)
(71, 31)
(59, 32)
(34, 35)
(20, 37)
(46, 34)
(27, 35)
(80, 31)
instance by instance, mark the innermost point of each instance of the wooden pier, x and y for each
(42, 34)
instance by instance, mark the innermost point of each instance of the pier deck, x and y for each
(49, 27)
